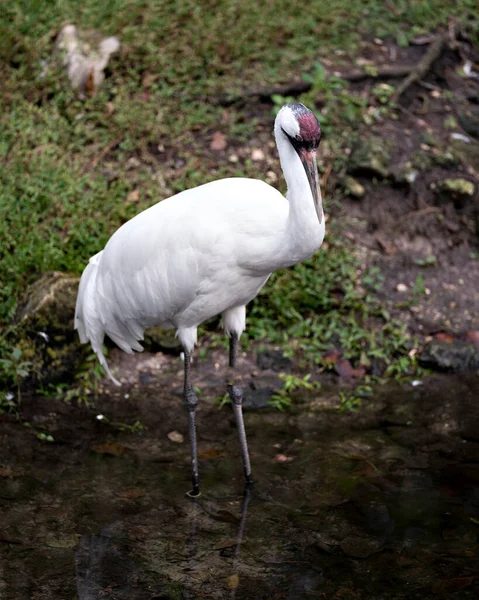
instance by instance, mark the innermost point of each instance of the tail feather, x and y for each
(88, 322)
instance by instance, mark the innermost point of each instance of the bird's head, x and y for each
(303, 131)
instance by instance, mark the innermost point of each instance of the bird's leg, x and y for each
(191, 402)
(236, 395)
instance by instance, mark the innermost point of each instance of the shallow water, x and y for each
(379, 504)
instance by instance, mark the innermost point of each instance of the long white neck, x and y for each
(304, 232)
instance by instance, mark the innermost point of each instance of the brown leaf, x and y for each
(225, 544)
(218, 141)
(112, 448)
(90, 84)
(209, 453)
(282, 458)
(452, 585)
(331, 357)
(360, 547)
(232, 582)
(386, 246)
(133, 196)
(148, 80)
(176, 436)
(225, 516)
(9, 472)
(345, 369)
(110, 108)
(442, 336)
(68, 541)
(131, 493)
(473, 336)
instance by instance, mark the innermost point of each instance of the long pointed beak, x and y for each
(308, 158)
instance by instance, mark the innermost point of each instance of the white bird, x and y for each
(203, 252)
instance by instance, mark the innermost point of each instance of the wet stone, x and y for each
(273, 359)
(457, 356)
(360, 547)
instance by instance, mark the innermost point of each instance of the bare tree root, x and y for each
(424, 65)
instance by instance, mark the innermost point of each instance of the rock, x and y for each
(273, 359)
(469, 121)
(455, 356)
(46, 327)
(371, 156)
(467, 153)
(354, 188)
(459, 190)
(257, 399)
(360, 547)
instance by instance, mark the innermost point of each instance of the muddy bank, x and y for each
(383, 503)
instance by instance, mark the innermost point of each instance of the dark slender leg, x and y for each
(191, 402)
(236, 395)
(233, 349)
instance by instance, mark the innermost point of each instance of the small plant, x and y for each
(291, 383)
(331, 93)
(7, 403)
(16, 369)
(383, 93)
(352, 401)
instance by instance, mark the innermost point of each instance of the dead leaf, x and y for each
(331, 358)
(232, 582)
(131, 493)
(452, 585)
(176, 436)
(225, 516)
(473, 336)
(345, 369)
(110, 108)
(360, 547)
(257, 154)
(148, 80)
(68, 541)
(133, 196)
(9, 472)
(112, 448)
(282, 458)
(90, 84)
(218, 141)
(442, 336)
(345, 592)
(209, 453)
(386, 246)
(225, 544)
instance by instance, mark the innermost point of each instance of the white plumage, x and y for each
(205, 251)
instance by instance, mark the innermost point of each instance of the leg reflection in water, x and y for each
(233, 579)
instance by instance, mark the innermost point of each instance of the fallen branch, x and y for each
(295, 88)
(424, 65)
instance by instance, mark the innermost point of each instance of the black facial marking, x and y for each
(309, 128)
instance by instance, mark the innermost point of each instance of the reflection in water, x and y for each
(101, 563)
(95, 559)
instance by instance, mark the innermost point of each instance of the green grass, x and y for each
(68, 166)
